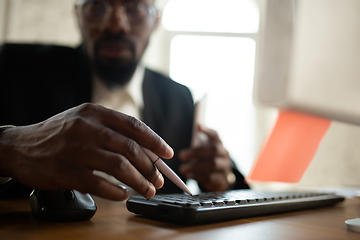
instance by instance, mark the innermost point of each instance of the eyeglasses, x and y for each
(96, 13)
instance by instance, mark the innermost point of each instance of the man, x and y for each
(61, 138)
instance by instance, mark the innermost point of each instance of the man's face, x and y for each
(116, 44)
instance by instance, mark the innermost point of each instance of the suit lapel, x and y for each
(153, 113)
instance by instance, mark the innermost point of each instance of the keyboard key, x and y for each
(229, 202)
(218, 203)
(206, 204)
(193, 204)
(241, 201)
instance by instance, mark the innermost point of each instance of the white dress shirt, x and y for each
(127, 99)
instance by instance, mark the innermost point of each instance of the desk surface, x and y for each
(113, 221)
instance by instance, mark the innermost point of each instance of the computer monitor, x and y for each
(310, 58)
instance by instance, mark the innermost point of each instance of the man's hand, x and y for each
(64, 151)
(209, 164)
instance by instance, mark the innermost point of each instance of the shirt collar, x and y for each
(133, 89)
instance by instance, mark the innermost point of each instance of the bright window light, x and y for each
(222, 67)
(226, 16)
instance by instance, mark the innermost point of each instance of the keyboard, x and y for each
(223, 206)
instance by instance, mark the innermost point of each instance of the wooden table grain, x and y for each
(113, 221)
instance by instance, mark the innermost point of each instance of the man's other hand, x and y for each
(209, 163)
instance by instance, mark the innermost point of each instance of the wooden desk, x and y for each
(113, 221)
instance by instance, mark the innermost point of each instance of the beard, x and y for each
(114, 72)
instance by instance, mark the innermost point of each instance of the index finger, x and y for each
(135, 129)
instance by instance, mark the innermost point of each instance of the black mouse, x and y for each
(62, 205)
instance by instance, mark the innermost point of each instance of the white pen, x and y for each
(165, 169)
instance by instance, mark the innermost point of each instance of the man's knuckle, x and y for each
(131, 148)
(86, 107)
(158, 142)
(145, 187)
(119, 164)
(105, 136)
(76, 122)
(152, 173)
(135, 124)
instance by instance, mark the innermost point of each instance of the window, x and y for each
(225, 16)
(213, 51)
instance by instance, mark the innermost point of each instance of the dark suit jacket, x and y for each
(39, 81)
